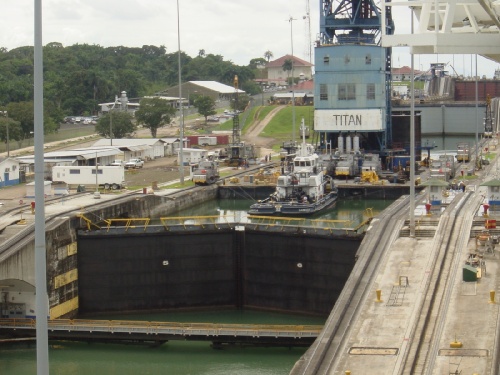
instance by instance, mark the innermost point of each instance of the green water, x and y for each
(354, 210)
(179, 358)
(185, 357)
(174, 357)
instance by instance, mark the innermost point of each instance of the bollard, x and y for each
(428, 209)
(456, 344)
(492, 296)
(379, 294)
(486, 206)
(347, 372)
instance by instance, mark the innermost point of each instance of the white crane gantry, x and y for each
(463, 26)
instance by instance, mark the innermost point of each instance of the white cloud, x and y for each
(238, 30)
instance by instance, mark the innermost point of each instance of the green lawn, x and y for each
(281, 126)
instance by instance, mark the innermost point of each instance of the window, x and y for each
(368, 59)
(347, 91)
(326, 60)
(74, 171)
(323, 92)
(99, 171)
(370, 91)
(351, 91)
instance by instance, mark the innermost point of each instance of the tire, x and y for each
(106, 186)
(115, 187)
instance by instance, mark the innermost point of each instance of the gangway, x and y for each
(160, 332)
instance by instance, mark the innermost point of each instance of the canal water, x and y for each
(184, 357)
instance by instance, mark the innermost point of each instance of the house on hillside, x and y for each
(404, 73)
(276, 76)
(303, 93)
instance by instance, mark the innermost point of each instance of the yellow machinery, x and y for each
(369, 176)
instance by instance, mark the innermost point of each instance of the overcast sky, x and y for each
(239, 30)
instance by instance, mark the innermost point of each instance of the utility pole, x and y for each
(291, 19)
(7, 131)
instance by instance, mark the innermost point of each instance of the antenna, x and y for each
(307, 25)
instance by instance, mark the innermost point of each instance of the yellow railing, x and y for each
(173, 327)
(129, 222)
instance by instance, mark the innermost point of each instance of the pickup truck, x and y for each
(134, 163)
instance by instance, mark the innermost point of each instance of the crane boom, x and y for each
(236, 119)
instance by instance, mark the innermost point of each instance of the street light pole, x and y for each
(291, 19)
(111, 127)
(181, 111)
(40, 257)
(111, 122)
(7, 131)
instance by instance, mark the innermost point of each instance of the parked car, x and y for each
(134, 163)
(117, 163)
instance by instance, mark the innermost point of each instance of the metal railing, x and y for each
(168, 328)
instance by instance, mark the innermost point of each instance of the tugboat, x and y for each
(305, 190)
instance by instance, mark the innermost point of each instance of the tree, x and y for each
(287, 67)
(201, 53)
(121, 126)
(24, 113)
(268, 55)
(154, 113)
(205, 106)
(15, 131)
(243, 101)
(257, 63)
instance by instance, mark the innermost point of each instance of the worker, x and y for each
(462, 186)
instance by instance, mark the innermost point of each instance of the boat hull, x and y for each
(288, 208)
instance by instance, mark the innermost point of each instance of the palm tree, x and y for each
(287, 67)
(268, 55)
(201, 53)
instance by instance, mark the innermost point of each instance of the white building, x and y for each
(9, 172)
(146, 149)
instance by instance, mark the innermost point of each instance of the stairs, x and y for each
(424, 227)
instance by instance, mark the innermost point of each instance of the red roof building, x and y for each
(278, 77)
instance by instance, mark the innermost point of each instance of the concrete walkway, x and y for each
(415, 314)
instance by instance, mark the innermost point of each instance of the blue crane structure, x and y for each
(353, 74)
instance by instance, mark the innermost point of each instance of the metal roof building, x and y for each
(216, 90)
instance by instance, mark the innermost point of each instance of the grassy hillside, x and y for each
(281, 126)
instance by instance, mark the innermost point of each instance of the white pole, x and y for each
(293, 83)
(181, 111)
(412, 141)
(41, 299)
(478, 165)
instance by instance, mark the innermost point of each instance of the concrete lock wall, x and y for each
(221, 268)
(61, 245)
